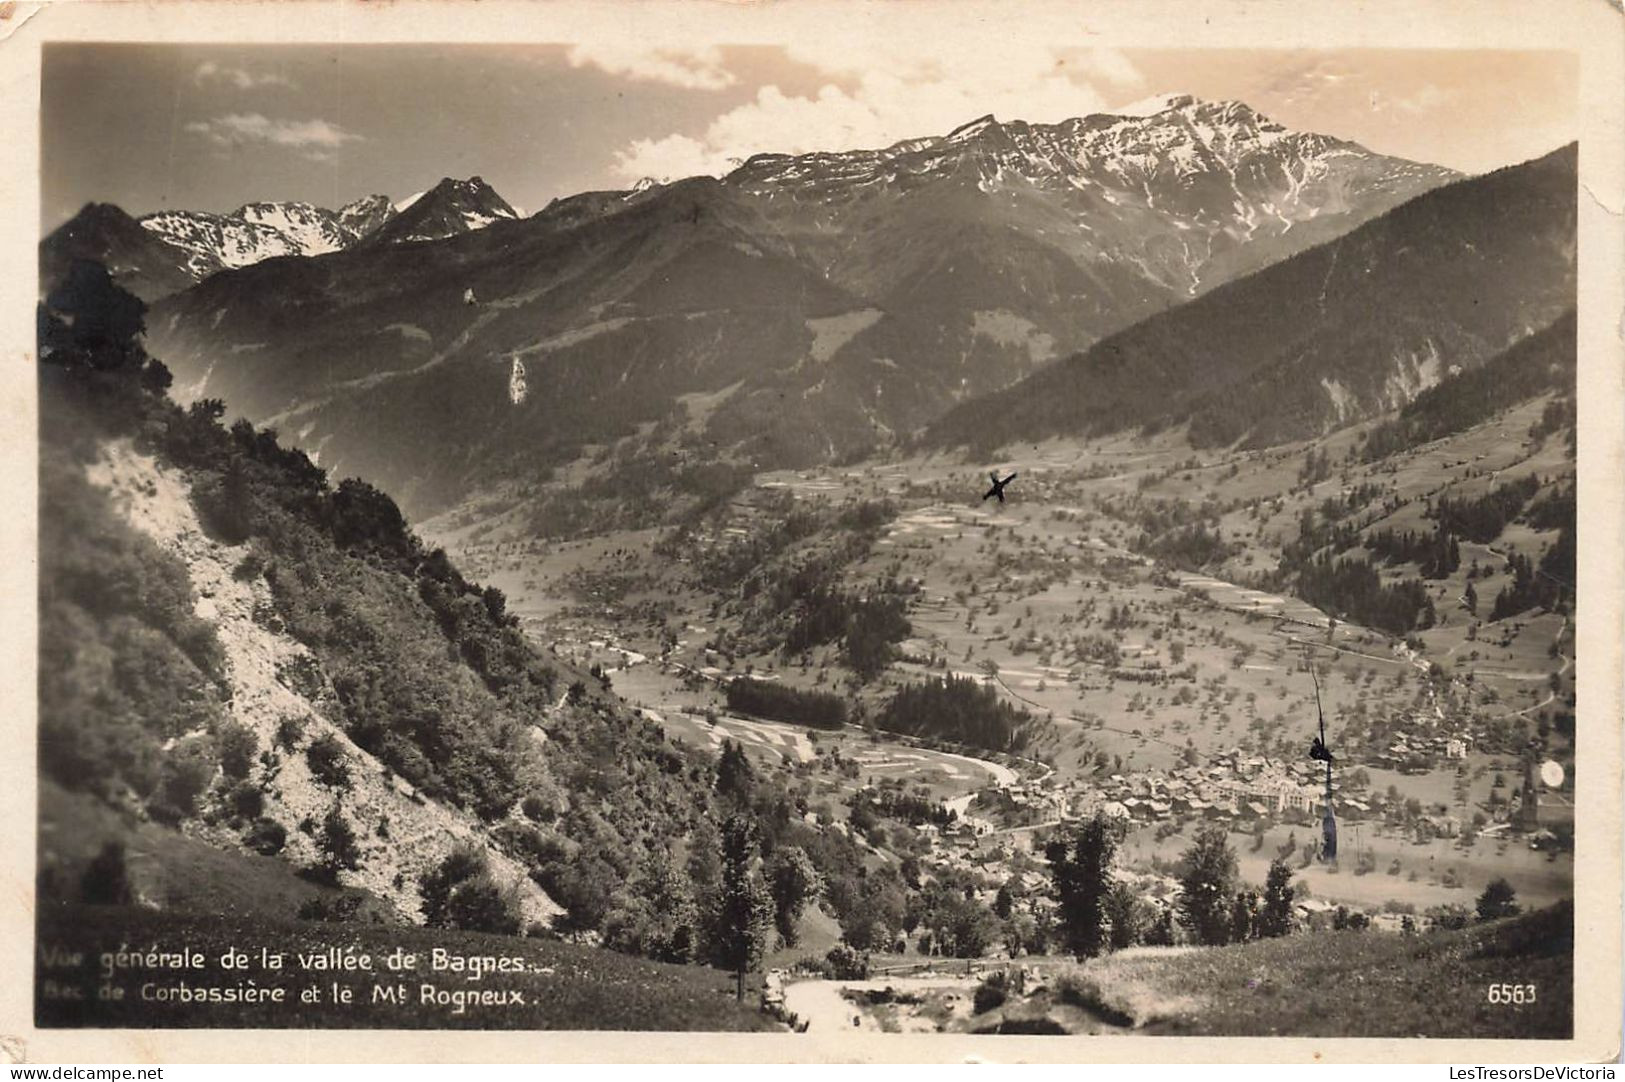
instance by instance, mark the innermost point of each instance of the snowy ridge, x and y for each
(1167, 141)
(1172, 185)
(311, 229)
(217, 241)
(258, 231)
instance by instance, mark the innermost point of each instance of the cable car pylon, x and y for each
(1319, 751)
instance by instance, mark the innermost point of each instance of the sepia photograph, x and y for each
(938, 535)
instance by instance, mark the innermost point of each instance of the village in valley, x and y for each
(1159, 698)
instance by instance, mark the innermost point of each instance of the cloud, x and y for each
(209, 72)
(692, 68)
(884, 91)
(316, 139)
(1336, 84)
(1426, 99)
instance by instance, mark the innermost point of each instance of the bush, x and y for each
(435, 885)
(327, 762)
(238, 747)
(846, 964)
(1040, 1026)
(989, 994)
(1449, 917)
(337, 844)
(247, 800)
(460, 893)
(1349, 920)
(107, 880)
(1498, 900)
(481, 906)
(225, 503)
(267, 837)
(288, 732)
(182, 780)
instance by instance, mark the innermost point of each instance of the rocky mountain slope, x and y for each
(138, 259)
(234, 649)
(801, 309)
(276, 686)
(1343, 332)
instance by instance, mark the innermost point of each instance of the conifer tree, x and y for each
(1081, 866)
(742, 920)
(1206, 880)
(1275, 919)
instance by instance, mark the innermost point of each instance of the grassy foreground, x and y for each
(1352, 984)
(544, 985)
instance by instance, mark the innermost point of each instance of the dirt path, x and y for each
(821, 1006)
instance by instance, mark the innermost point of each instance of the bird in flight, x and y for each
(998, 486)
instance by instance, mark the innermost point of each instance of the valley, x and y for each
(622, 581)
(1133, 669)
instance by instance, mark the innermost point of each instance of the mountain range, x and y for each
(801, 309)
(1350, 329)
(167, 251)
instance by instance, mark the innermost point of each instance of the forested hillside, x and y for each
(413, 681)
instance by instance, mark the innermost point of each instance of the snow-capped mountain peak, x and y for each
(447, 209)
(366, 215)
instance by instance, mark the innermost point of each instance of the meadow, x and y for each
(546, 985)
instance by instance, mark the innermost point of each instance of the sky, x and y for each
(211, 127)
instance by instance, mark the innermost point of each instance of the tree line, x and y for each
(779, 702)
(1437, 554)
(957, 709)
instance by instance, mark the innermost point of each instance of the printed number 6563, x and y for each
(1512, 993)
